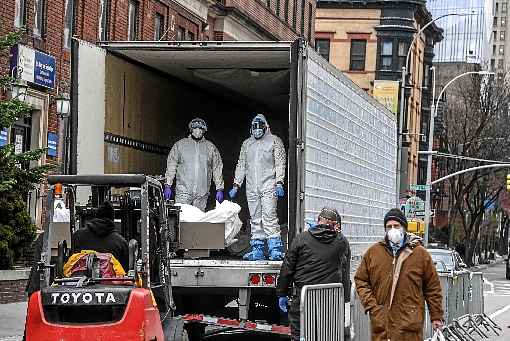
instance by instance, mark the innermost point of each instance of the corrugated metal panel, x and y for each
(350, 154)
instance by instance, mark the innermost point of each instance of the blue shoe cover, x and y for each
(275, 247)
(257, 250)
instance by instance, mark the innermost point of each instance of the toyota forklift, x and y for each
(88, 305)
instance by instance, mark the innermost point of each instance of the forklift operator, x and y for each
(100, 235)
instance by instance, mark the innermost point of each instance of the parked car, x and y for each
(447, 260)
(508, 267)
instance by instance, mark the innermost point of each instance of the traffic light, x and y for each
(508, 182)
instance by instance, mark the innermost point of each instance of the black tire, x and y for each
(195, 331)
(508, 269)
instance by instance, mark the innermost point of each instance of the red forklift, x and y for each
(90, 306)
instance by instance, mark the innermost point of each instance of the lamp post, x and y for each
(18, 86)
(433, 112)
(402, 96)
(63, 104)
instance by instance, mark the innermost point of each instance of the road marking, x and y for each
(499, 312)
(490, 284)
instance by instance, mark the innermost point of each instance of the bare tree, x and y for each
(475, 126)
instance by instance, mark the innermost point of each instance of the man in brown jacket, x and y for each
(395, 278)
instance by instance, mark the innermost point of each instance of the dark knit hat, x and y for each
(397, 215)
(330, 214)
(105, 211)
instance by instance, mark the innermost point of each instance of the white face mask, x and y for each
(258, 133)
(395, 235)
(197, 133)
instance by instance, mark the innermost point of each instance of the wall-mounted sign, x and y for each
(52, 144)
(3, 137)
(35, 67)
(386, 93)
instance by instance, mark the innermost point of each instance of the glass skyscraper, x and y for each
(466, 38)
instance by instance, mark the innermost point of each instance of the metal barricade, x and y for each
(476, 305)
(322, 312)
(360, 321)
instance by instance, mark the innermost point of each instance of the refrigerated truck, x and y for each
(132, 100)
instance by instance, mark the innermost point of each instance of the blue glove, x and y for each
(232, 193)
(167, 193)
(219, 196)
(280, 193)
(283, 303)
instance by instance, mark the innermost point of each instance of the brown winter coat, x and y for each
(398, 317)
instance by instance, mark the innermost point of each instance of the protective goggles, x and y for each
(258, 125)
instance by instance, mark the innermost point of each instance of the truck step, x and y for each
(236, 324)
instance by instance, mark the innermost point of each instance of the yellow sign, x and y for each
(386, 93)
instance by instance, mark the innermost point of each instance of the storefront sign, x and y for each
(386, 93)
(35, 67)
(3, 137)
(52, 144)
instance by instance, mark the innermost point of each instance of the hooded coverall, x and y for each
(194, 163)
(262, 162)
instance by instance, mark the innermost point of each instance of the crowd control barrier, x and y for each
(322, 312)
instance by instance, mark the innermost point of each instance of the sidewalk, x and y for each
(12, 321)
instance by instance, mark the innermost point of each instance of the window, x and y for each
(40, 18)
(497, 7)
(294, 15)
(68, 23)
(268, 3)
(495, 22)
(303, 18)
(502, 35)
(104, 21)
(20, 13)
(493, 49)
(310, 22)
(503, 21)
(494, 35)
(426, 76)
(501, 50)
(386, 54)
(493, 64)
(286, 11)
(504, 7)
(402, 53)
(132, 20)
(500, 63)
(190, 36)
(159, 26)
(277, 9)
(322, 47)
(358, 52)
(181, 33)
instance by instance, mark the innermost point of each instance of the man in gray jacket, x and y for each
(194, 162)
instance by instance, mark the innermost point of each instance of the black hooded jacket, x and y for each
(100, 235)
(316, 256)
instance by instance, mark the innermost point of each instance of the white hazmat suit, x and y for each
(262, 162)
(194, 163)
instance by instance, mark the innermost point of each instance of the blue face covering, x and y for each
(396, 247)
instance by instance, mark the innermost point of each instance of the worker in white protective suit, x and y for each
(194, 161)
(262, 162)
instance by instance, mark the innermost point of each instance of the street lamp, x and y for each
(18, 86)
(402, 95)
(431, 143)
(63, 104)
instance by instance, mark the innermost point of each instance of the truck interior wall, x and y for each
(145, 105)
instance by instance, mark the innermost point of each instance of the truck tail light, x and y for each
(254, 279)
(269, 279)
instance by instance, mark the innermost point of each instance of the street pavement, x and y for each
(496, 292)
(497, 298)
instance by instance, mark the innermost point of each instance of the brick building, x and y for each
(50, 24)
(369, 41)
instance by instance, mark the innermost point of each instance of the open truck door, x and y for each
(90, 305)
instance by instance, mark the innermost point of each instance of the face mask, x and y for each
(395, 235)
(258, 133)
(197, 133)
